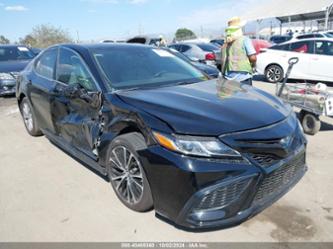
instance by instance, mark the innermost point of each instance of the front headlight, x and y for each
(6, 76)
(196, 146)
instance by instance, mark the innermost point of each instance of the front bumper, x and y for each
(7, 89)
(201, 194)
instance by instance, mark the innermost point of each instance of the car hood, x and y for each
(13, 66)
(212, 107)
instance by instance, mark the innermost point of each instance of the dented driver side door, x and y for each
(77, 103)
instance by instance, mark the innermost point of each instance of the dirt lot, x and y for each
(45, 195)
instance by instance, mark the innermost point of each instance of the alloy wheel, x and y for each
(27, 116)
(126, 175)
(274, 74)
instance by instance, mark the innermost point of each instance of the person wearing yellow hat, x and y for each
(238, 54)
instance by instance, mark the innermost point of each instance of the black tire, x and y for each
(274, 73)
(127, 187)
(29, 118)
(310, 122)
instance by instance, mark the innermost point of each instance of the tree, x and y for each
(45, 35)
(4, 40)
(184, 34)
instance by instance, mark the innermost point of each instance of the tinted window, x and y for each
(15, 53)
(184, 48)
(280, 39)
(284, 47)
(71, 70)
(128, 67)
(46, 63)
(324, 47)
(302, 47)
(175, 46)
(207, 47)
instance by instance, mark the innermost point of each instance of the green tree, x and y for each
(4, 40)
(184, 34)
(45, 35)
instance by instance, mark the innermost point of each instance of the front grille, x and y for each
(264, 160)
(222, 196)
(276, 181)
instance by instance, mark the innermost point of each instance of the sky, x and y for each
(118, 19)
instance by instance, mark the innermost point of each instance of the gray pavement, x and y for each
(45, 195)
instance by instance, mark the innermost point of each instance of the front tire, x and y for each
(126, 174)
(310, 122)
(274, 73)
(29, 118)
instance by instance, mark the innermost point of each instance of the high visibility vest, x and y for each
(235, 57)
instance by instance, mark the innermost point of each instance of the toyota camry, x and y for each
(202, 153)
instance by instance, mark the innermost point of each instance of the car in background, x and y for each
(13, 59)
(277, 39)
(206, 52)
(315, 35)
(315, 60)
(203, 153)
(36, 51)
(260, 45)
(147, 40)
(211, 71)
(217, 42)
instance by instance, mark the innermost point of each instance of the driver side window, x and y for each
(71, 70)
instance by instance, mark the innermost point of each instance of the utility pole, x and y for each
(77, 37)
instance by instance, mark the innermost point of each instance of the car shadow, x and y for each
(326, 126)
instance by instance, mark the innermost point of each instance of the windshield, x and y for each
(15, 53)
(140, 67)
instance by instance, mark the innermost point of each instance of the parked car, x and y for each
(260, 45)
(314, 35)
(154, 41)
(36, 51)
(315, 60)
(203, 153)
(217, 42)
(211, 71)
(207, 52)
(277, 39)
(13, 59)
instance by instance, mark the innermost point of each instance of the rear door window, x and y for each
(45, 64)
(324, 48)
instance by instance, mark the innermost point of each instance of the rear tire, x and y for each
(274, 73)
(126, 174)
(310, 122)
(29, 118)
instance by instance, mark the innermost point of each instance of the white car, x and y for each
(315, 60)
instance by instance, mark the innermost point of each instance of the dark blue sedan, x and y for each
(13, 59)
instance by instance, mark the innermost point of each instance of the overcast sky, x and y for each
(97, 19)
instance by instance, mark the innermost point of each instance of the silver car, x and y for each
(204, 52)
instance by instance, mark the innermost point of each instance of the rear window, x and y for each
(207, 47)
(15, 53)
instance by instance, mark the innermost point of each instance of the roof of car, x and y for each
(307, 39)
(80, 47)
